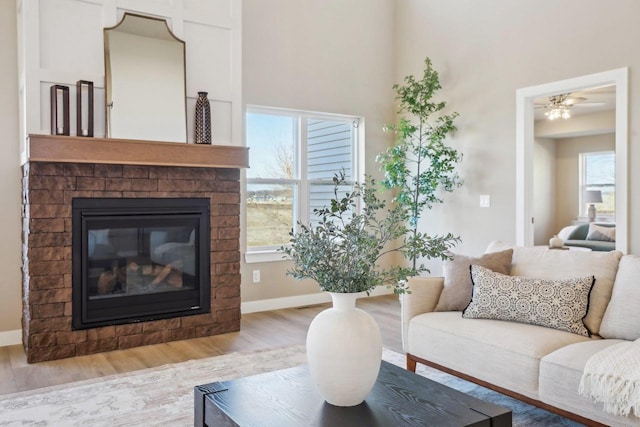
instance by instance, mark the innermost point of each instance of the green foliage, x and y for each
(342, 252)
(420, 165)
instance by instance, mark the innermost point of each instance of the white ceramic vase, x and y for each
(344, 351)
(556, 242)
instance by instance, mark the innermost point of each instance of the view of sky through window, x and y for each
(272, 141)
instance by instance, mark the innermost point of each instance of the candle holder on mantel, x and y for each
(82, 87)
(203, 119)
(60, 125)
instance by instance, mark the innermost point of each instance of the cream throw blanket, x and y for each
(612, 376)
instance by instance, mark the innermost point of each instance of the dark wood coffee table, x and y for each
(288, 398)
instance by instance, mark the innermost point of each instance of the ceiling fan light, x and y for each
(553, 114)
(558, 112)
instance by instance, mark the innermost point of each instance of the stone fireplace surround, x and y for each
(55, 173)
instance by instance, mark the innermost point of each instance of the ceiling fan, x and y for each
(559, 106)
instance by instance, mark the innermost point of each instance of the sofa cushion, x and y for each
(457, 281)
(622, 317)
(560, 373)
(557, 304)
(506, 354)
(566, 231)
(594, 245)
(544, 263)
(576, 235)
(580, 231)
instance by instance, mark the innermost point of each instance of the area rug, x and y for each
(163, 396)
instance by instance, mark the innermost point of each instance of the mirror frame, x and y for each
(524, 148)
(107, 73)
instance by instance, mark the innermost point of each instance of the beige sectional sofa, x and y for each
(537, 364)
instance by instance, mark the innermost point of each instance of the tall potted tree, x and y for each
(421, 165)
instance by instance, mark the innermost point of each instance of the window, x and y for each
(598, 172)
(294, 157)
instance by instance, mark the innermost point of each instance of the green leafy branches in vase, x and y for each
(343, 250)
(421, 165)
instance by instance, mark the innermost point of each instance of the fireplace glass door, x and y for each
(139, 259)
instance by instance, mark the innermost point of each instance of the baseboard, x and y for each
(15, 337)
(10, 337)
(297, 301)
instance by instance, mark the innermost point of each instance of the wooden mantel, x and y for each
(72, 149)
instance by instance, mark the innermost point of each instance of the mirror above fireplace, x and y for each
(145, 80)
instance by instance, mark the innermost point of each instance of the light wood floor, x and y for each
(279, 328)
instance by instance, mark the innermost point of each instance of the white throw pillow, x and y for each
(598, 232)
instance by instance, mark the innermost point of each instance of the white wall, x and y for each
(544, 190)
(329, 56)
(485, 52)
(10, 184)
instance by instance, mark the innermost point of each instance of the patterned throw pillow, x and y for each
(558, 304)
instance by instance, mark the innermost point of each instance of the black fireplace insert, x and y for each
(139, 259)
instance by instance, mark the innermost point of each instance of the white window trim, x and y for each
(255, 257)
(582, 185)
(271, 253)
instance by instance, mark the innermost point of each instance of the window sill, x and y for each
(263, 256)
(609, 219)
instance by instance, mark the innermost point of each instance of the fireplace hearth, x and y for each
(139, 259)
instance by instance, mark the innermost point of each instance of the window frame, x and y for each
(582, 185)
(300, 182)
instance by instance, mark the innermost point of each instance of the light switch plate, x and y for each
(485, 201)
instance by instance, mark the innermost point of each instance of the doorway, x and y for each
(525, 217)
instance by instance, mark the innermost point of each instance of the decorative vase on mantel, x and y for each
(203, 119)
(344, 351)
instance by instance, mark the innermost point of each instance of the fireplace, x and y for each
(139, 259)
(125, 170)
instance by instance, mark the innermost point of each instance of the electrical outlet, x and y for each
(485, 201)
(256, 276)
